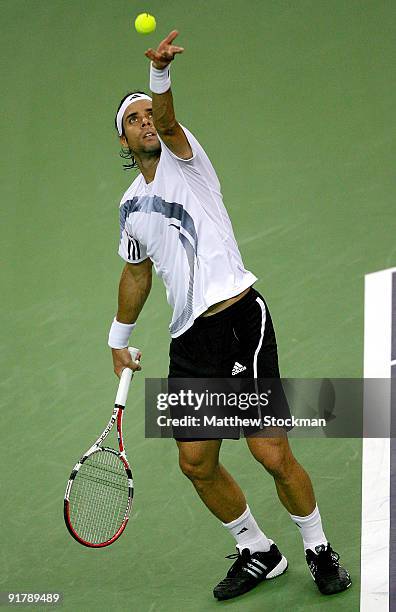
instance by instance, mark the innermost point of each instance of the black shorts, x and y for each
(238, 342)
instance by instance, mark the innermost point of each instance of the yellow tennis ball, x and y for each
(145, 23)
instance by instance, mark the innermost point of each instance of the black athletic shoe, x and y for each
(329, 576)
(249, 570)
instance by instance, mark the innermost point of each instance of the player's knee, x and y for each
(279, 469)
(196, 470)
(277, 460)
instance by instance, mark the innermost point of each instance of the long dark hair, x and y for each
(126, 152)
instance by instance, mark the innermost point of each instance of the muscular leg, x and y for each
(292, 483)
(199, 461)
(296, 494)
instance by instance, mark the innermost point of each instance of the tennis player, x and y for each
(173, 217)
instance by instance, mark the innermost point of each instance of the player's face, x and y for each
(140, 133)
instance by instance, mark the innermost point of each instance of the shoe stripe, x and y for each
(259, 563)
(253, 573)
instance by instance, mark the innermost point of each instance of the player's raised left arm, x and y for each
(164, 118)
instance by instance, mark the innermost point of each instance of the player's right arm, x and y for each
(134, 287)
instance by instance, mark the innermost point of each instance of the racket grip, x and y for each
(134, 353)
(125, 380)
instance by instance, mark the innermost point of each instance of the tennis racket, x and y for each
(99, 492)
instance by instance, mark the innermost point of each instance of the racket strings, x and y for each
(99, 497)
(101, 475)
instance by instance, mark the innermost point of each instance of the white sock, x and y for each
(248, 534)
(311, 529)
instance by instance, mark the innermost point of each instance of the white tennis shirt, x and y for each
(180, 222)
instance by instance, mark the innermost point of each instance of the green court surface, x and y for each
(294, 103)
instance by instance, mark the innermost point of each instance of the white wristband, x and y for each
(159, 79)
(119, 334)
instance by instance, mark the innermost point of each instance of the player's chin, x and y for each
(152, 144)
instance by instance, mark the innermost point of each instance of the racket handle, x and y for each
(125, 379)
(134, 353)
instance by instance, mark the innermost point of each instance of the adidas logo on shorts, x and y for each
(238, 367)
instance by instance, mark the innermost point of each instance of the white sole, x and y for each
(278, 569)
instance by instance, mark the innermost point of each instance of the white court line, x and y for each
(374, 594)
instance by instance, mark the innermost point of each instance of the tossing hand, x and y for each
(165, 52)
